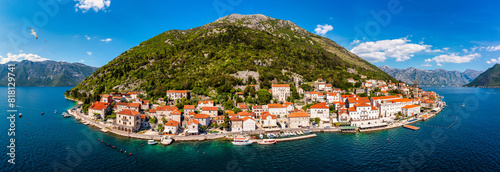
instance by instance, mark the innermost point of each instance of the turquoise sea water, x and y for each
(53, 143)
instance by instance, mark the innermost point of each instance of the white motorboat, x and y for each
(241, 141)
(152, 142)
(266, 141)
(307, 131)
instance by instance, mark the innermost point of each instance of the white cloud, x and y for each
(106, 40)
(426, 65)
(465, 50)
(356, 41)
(493, 61)
(493, 48)
(96, 5)
(21, 56)
(379, 51)
(323, 29)
(446, 48)
(89, 53)
(88, 38)
(81, 61)
(453, 58)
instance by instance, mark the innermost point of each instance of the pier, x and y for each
(411, 127)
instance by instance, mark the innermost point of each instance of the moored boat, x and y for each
(266, 141)
(66, 115)
(20, 115)
(152, 142)
(241, 141)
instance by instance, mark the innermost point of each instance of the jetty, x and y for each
(411, 127)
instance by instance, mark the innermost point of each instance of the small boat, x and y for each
(43, 113)
(261, 136)
(241, 141)
(166, 141)
(104, 130)
(266, 141)
(307, 131)
(20, 115)
(55, 111)
(152, 142)
(66, 115)
(463, 104)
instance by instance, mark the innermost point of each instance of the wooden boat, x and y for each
(20, 115)
(241, 141)
(266, 141)
(152, 142)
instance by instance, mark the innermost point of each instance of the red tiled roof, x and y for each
(105, 96)
(193, 121)
(166, 108)
(172, 123)
(385, 97)
(134, 105)
(122, 104)
(236, 119)
(143, 116)
(188, 106)
(275, 106)
(280, 85)
(99, 105)
(319, 106)
(128, 112)
(247, 118)
(286, 104)
(245, 113)
(215, 108)
(176, 112)
(298, 114)
(257, 107)
(199, 116)
(152, 110)
(206, 102)
(331, 93)
(410, 106)
(266, 114)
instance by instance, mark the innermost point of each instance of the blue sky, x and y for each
(454, 35)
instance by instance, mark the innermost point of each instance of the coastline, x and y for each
(103, 128)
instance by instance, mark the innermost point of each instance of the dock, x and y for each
(411, 127)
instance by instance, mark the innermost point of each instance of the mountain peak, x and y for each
(262, 23)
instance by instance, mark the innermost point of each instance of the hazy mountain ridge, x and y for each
(46, 73)
(437, 77)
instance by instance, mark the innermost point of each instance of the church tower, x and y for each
(415, 88)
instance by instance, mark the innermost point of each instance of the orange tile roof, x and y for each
(143, 116)
(245, 113)
(401, 100)
(347, 96)
(236, 119)
(286, 104)
(176, 112)
(193, 121)
(410, 106)
(275, 106)
(242, 106)
(152, 110)
(257, 107)
(214, 108)
(239, 93)
(192, 113)
(247, 118)
(177, 91)
(280, 85)
(128, 112)
(331, 93)
(356, 100)
(172, 123)
(122, 104)
(105, 96)
(188, 106)
(199, 116)
(206, 102)
(319, 106)
(134, 105)
(385, 97)
(99, 105)
(267, 115)
(166, 108)
(298, 114)
(229, 111)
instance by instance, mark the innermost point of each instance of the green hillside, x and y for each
(203, 58)
(489, 78)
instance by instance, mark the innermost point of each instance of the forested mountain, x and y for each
(489, 78)
(207, 57)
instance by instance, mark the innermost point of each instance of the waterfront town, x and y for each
(374, 105)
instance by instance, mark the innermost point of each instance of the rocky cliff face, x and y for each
(46, 73)
(438, 77)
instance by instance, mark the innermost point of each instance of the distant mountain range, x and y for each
(437, 77)
(489, 78)
(46, 73)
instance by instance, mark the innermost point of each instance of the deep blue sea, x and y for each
(52, 143)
